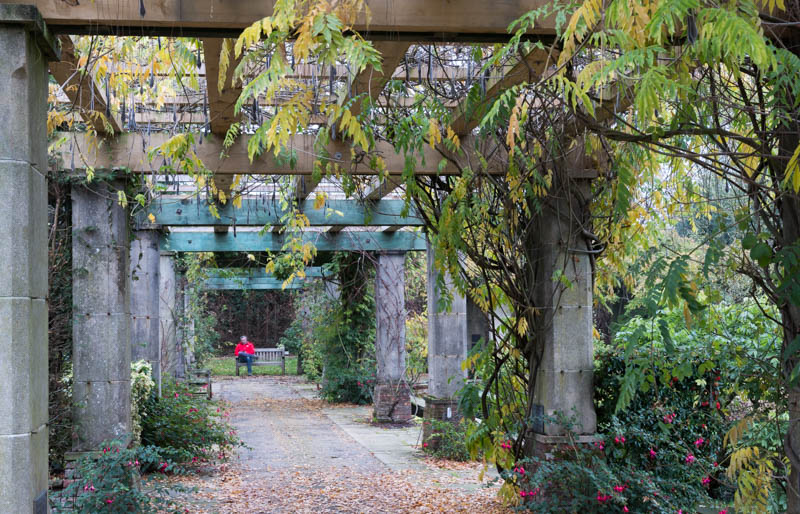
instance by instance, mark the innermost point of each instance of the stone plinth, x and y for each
(25, 49)
(101, 329)
(391, 397)
(145, 263)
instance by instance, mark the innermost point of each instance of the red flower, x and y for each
(424, 445)
(652, 453)
(706, 480)
(689, 459)
(625, 508)
(699, 442)
(602, 498)
(718, 407)
(619, 488)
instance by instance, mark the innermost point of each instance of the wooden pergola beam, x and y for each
(369, 82)
(323, 241)
(82, 90)
(130, 151)
(411, 20)
(526, 70)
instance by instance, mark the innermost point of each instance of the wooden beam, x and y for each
(384, 187)
(130, 151)
(194, 212)
(411, 20)
(255, 273)
(529, 69)
(323, 241)
(370, 82)
(256, 284)
(221, 102)
(81, 89)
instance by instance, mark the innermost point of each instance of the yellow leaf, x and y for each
(151, 218)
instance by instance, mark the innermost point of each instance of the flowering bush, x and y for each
(109, 482)
(349, 386)
(187, 427)
(447, 440)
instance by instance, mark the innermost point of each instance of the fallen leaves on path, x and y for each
(308, 490)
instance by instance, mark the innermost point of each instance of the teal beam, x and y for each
(194, 212)
(270, 241)
(254, 273)
(270, 284)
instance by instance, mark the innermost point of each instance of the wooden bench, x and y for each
(200, 381)
(266, 357)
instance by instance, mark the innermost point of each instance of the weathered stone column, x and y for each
(564, 381)
(25, 49)
(167, 291)
(145, 263)
(101, 330)
(451, 335)
(391, 397)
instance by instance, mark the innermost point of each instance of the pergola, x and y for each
(35, 40)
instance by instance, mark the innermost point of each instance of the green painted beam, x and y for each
(272, 284)
(253, 273)
(194, 212)
(270, 241)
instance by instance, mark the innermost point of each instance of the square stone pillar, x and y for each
(145, 264)
(564, 381)
(101, 330)
(168, 313)
(391, 397)
(25, 48)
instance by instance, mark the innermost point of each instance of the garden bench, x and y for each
(200, 381)
(266, 357)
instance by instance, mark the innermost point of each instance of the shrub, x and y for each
(111, 482)
(186, 426)
(141, 388)
(447, 440)
(349, 386)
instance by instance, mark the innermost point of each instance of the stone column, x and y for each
(145, 263)
(391, 397)
(451, 335)
(167, 334)
(101, 330)
(447, 345)
(564, 381)
(25, 48)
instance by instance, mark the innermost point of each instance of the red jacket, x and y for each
(246, 348)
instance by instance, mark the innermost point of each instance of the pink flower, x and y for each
(699, 442)
(91, 488)
(723, 511)
(625, 508)
(136, 463)
(521, 470)
(706, 480)
(176, 395)
(110, 501)
(522, 493)
(689, 459)
(602, 498)
(424, 445)
(652, 453)
(619, 488)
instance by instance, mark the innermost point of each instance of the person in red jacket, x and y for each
(246, 353)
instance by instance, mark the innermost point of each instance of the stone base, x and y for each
(440, 409)
(392, 403)
(545, 446)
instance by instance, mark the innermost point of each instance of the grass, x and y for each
(224, 366)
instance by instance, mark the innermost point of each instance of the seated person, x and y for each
(246, 353)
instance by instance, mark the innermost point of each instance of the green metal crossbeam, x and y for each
(272, 284)
(194, 212)
(403, 241)
(254, 273)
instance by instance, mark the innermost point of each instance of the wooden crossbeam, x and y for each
(384, 187)
(221, 102)
(323, 241)
(528, 69)
(370, 82)
(254, 284)
(194, 212)
(81, 89)
(411, 20)
(130, 151)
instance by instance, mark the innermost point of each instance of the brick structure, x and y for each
(392, 402)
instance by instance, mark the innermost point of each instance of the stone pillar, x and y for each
(167, 334)
(101, 330)
(188, 326)
(145, 263)
(451, 335)
(564, 381)
(25, 48)
(391, 397)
